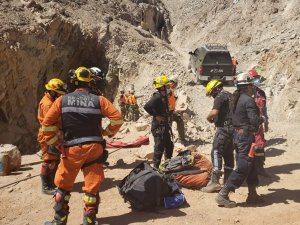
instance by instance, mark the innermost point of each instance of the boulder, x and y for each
(141, 126)
(10, 159)
(181, 102)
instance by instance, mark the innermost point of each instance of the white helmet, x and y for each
(243, 79)
(173, 79)
(96, 71)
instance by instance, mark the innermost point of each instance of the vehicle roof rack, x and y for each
(216, 46)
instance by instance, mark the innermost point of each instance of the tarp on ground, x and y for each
(142, 140)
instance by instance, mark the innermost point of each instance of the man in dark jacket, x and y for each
(222, 144)
(245, 120)
(158, 107)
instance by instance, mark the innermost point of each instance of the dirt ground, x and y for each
(40, 39)
(23, 203)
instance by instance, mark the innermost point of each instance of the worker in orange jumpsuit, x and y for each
(83, 147)
(123, 104)
(54, 88)
(234, 63)
(133, 108)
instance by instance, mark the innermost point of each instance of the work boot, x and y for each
(213, 184)
(222, 199)
(47, 187)
(89, 220)
(253, 197)
(58, 220)
(227, 173)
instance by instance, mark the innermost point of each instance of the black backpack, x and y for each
(180, 165)
(144, 188)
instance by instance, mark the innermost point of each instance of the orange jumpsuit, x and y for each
(172, 100)
(77, 155)
(131, 99)
(43, 108)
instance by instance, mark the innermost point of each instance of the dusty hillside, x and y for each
(133, 41)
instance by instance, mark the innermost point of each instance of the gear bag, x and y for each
(145, 188)
(182, 162)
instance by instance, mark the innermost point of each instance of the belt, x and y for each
(82, 140)
(239, 130)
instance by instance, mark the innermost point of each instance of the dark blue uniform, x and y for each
(158, 106)
(246, 121)
(222, 143)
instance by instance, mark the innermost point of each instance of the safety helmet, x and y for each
(82, 74)
(243, 79)
(56, 85)
(211, 86)
(161, 81)
(131, 91)
(253, 73)
(174, 79)
(97, 72)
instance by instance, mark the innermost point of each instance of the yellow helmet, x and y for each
(161, 81)
(56, 85)
(211, 86)
(83, 74)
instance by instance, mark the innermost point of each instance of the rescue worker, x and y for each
(54, 88)
(123, 103)
(234, 63)
(158, 107)
(245, 120)
(99, 83)
(260, 142)
(172, 105)
(222, 144)
(83, 147)
(133, 108)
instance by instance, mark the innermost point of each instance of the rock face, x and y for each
(134, 41)
(10, 159)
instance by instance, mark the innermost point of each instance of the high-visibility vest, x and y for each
(122, 99)
(131, 99)
(81, 116)
(234, 61)
(172, 100)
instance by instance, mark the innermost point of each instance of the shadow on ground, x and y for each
(273, 152)
(274, 171)
(140, 217)
(107, 184)
(275, 141)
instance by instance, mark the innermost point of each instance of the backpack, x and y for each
(183, 161)
(146, 189)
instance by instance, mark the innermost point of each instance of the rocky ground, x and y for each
(134, 41)
(23, 203)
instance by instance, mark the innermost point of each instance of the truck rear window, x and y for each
(217, 58)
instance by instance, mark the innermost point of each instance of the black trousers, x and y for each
(245, 168)
(163, 144)
(223, 149)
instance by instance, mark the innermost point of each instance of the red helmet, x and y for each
(253, 73)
